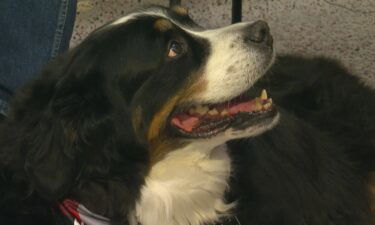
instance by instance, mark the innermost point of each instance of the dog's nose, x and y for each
(258, 32)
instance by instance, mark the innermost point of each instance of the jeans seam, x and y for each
(61, 21)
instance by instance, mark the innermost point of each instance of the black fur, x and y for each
(70, 135)
(312, 167)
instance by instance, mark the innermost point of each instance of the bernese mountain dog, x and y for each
(153, 120)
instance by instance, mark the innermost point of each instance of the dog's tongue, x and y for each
(185, 121)
(201, 116)
(241, 107)
(188, 122)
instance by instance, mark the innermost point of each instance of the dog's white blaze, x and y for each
(232, 67)
(157, 13)
(187, 187)
(124, 19)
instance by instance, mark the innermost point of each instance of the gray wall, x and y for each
(340, 29)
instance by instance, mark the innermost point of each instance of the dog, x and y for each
(154, 120)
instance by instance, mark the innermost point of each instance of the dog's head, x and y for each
(152, 80)
(187, 84)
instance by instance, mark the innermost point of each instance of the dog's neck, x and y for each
(186, 188)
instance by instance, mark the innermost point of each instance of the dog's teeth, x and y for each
(263, 95)
(258, 105)
(224, 112)
(267, 105)
(213, 112)
(201, 109)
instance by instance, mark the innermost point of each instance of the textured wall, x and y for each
(341, 29)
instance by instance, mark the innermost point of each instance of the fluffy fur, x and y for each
(94, 127)
(191, 192)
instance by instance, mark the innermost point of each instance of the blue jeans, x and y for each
(32, 33)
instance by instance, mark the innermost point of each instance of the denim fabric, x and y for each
(33, 32)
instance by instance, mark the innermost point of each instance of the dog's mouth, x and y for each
(207, 120)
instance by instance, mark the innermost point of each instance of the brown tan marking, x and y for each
(158, 121)
(160, 144)
(162, 24)
(180, 10)
(71, 134)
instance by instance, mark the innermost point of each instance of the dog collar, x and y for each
(77, 214)
(74, 213)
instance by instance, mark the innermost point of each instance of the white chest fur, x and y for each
(186, 188)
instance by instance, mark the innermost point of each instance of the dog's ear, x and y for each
(63, 118)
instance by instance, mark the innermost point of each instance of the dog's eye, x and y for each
(174, 49)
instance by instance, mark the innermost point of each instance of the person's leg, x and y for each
(33, 32)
